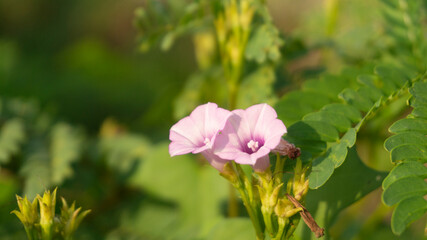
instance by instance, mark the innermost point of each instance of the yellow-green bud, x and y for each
(71, 218)
(27, 213)
(274, 195)
(47, 212)
(204, 43)
(285, 209)
(246, 15)
(221, 30)
(230, 174)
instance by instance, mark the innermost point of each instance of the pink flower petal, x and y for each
(262, 164)
(209, 119)
(214, 160)
(259, 117)
(197, 133)
(184, 137)
(250, 135)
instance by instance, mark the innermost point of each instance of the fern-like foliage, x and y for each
(12, 134)
(405, 185)
(327, 134)
(404, 29)
(162, 22)
(43, 149)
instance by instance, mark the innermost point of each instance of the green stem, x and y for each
(252, 213)
(292, 228)
(29, 233)
(282, 224)
(278, 169)
(245, 191)
(233, 210)
(266, 213)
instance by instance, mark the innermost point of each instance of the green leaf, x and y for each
(264, 45)
(36, 170)
(419, 90)
(406, 212)
(201, 87)
(409, 124)
(257, 88)
(65, 148)
(349, 111)
(349, 137)
(211, 191)
(323, 167)
(349, 183)
(167, 41)
(293, 106)
(124, 152)
(233, 228)
(354, 98)
(371, 93)
(11, 136)
(412, 152)
(150, 175)
(155, 28)
(403, 170)
(337, 120)
(145, 220)
(369, 80)
(405, 138)
(404, 188)
(329, 85)
(405, 185)
(419, 111)
(313, 130)
(388, 73)
(314, 147)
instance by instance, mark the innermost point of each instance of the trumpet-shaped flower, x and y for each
(250, 135)
(197, 133)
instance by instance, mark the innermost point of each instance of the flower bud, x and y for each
(71, 218)
(300, 184)
(229, 174)
(27, 213)
(285, 208)
(47, 212)
(287, 149)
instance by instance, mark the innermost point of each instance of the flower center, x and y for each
(207, 141)
(253, 145)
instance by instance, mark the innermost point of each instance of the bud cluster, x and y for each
(40, 221)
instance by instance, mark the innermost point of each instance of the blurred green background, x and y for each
(72, 75)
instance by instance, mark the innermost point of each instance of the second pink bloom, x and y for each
(250, 135)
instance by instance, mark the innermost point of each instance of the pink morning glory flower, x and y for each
(250, 135)
(197, 132)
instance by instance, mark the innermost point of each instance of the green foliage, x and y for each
(242, 229)
(12, 134)
(405, 34)
(123, 152)
(333, 128)
(40, 221)
(405, 185)
(65, 149)
(49, 159)
(193, 206)
(48, 149)
(163, 23)
(349, 183)
(265, 44)
(256, 87)
(123, 172)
